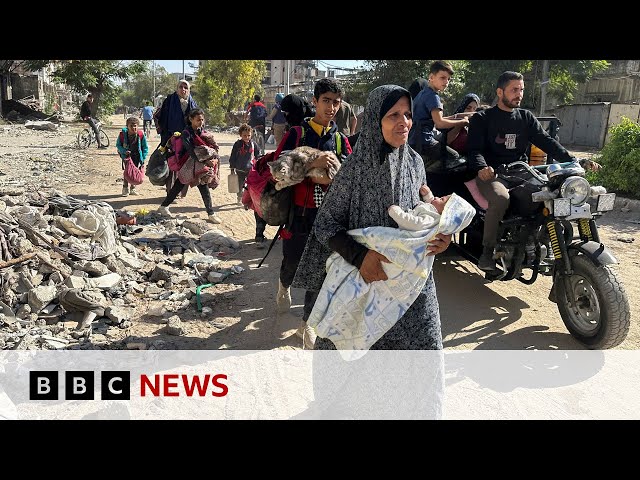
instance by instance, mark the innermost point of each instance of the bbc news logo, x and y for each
(116, 385)
(79, 385)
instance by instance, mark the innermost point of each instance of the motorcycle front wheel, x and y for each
(601, 316)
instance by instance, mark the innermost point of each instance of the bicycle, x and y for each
(86, 136)
(257, 133)
(147, 128)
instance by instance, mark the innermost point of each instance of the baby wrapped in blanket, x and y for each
(354, 314)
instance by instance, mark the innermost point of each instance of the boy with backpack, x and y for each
(132, 143)
(322, 133)
(257, 112)
(243, 155)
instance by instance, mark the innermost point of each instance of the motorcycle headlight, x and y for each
(576, 189)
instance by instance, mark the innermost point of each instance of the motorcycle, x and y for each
(550, 229)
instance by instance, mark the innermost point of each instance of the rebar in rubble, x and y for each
(5, 255)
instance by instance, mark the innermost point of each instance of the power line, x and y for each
(335, 67)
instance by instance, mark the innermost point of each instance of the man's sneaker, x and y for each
(102, 147)
(283, 298)
(261, 242)
(308, 336)
(486, 261)
(125, 192)
(213, 218)
(132, 191)
(164, 211)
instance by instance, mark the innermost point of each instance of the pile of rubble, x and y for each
(70, 274)
(26, 109)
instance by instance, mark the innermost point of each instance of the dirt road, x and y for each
(475, 314)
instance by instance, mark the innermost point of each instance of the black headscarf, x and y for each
(468, 98)
(295, 109)
(417, 86)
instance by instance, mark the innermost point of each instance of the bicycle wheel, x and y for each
(84, 138)
(104, 138)
(259, 138)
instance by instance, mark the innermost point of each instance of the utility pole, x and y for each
(286, 67)
(153, 96)
(543, 85)
(182, 68)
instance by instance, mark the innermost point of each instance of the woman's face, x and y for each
(472, 107)
(183, 90)
(397, 122)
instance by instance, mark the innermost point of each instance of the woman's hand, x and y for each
(371, 268)
(438, 245)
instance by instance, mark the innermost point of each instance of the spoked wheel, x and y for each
(601, 316)
(84, 138)
(104, 138)
(259, 138)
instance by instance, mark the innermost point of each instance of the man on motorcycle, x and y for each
(500, 135)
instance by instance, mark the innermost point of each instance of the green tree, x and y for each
(620, 158)
(98, 77)
(138, 90)
(224, 85)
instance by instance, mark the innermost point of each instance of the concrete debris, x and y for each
(41, 125)
(174, 326)
(71, 278)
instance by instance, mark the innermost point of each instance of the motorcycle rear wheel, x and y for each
(602, 316)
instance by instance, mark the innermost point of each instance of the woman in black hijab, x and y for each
(295, 109)
(417, 86)
(382, 171)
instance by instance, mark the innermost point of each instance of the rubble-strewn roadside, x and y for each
(62, 258)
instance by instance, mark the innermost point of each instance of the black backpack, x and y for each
(257, 114)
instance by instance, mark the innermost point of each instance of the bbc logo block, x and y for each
(79, 385)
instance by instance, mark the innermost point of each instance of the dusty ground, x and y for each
(475, 314)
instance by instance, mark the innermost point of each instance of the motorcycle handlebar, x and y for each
(504, 168)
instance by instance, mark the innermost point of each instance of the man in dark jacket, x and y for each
(501, 135)
(85, 114)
